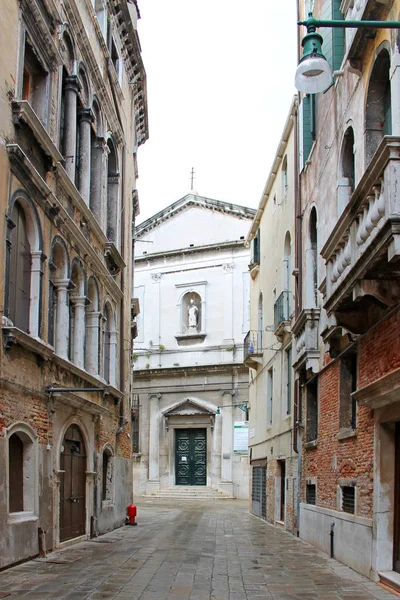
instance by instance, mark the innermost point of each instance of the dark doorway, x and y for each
(282, 465)
(191, 457)
(72, 485)
(259, 491)
(396, 537)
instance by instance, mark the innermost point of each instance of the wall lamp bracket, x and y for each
(314, 74)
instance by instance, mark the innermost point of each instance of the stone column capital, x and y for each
(72, 83)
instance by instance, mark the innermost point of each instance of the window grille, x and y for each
(348, 499)
(311, 493)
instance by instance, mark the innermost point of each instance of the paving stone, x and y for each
(189, 550)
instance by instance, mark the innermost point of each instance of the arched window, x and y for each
(312, 261)
(378, 108)
(191, 313)
(287, 264)
(96, 164)
(109, 345)
(92, 328)
(112, 193)
(347, 170)
(22, 476)
(20, 271)
(24, 265)
(59, 300)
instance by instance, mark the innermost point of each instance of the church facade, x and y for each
(190, 384)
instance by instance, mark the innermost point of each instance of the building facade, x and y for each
(347, 319)
(268, 344)
(190, 384)
(73, 111)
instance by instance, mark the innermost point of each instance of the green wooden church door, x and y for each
(191, 457)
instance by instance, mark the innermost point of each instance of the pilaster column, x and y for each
(228, 301)
(92, 342)
(227, 438)
(62, 324)
(154, 436)
(79, 303)
(156, 307)
(71, 88)
(85, 129)
(113, 358)
(37, 259)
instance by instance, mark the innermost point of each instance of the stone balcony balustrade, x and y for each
(305, 331)
(362, 254)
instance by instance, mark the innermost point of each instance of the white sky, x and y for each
(220, 81)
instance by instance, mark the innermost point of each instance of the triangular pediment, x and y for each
(189, 407)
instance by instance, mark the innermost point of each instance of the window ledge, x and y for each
(14, 336)
(24, 113)
(347, 433)
(190, 336)
(311, 445)
(22, 517)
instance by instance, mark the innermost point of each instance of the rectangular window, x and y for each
(34, 82)
(334, 37)
(135, 423)
(312, 410)
(348, 499)
(311, 493)
(255, 259)
(306, 128)
(348, 385)
(270, 392)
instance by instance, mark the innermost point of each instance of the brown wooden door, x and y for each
(396, 537)
(72, 488)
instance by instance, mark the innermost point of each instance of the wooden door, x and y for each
(73, 482)
(191, 457)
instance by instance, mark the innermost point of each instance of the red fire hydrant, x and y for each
(131, 514)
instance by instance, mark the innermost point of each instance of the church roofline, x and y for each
(236, 210)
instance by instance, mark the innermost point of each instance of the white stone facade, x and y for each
(192, 285)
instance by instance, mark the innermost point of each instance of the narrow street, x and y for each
(189, 550)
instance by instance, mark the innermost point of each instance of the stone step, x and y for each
(188, 493)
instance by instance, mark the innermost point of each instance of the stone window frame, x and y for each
(312, 481)
(34, 234)
(352, 483)
(30, 484)
(109, 327)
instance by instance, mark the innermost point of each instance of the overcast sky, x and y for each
(220, 83)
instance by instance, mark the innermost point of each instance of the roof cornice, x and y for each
(236, 210)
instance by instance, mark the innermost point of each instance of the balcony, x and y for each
(305, 331)
(252, 349)
(362, 254)
(282, 314)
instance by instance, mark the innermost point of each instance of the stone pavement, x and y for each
(189, 550)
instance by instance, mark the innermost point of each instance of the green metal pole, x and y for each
(311, 22)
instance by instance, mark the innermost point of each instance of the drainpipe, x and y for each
(332, 534)
(122, 319)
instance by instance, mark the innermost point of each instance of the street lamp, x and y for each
(314, 75)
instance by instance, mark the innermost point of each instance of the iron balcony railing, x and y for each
(252, 344)
(281, 309)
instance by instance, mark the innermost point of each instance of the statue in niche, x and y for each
(193, 316)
